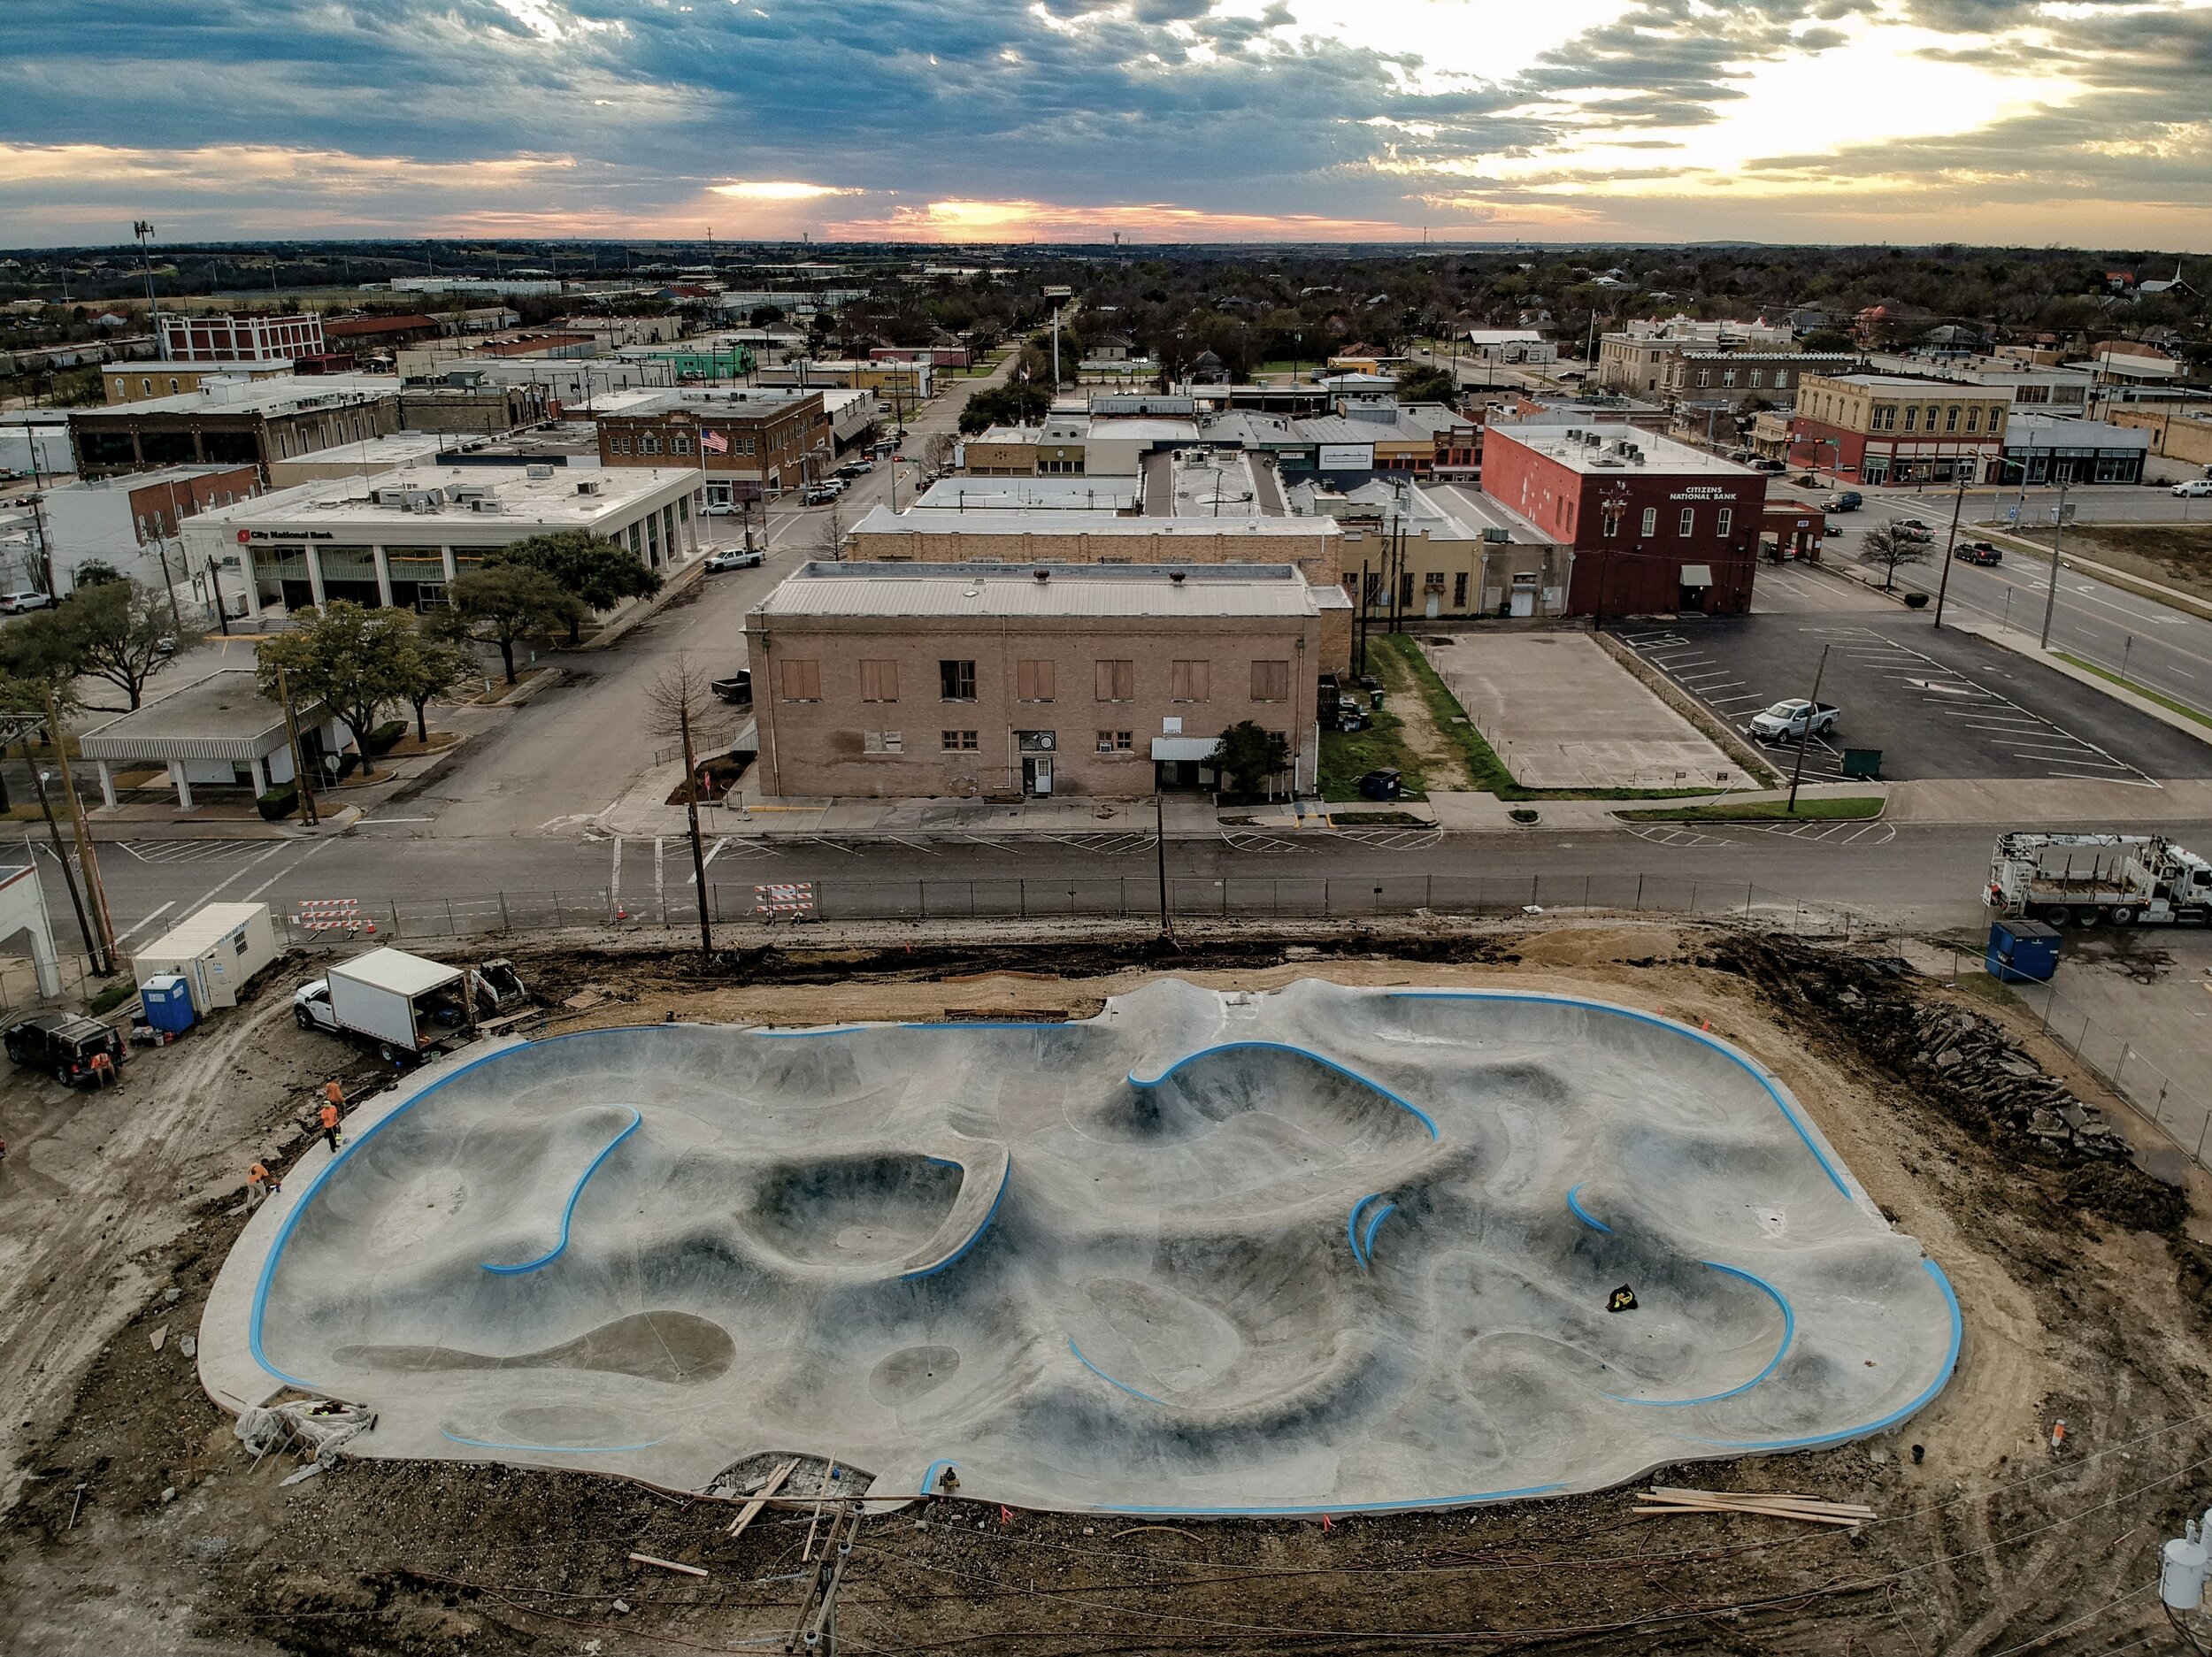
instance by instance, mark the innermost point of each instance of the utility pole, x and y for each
(309, 817)
(2058, 534)
(1159, 845)
(61, 856)
(1797, 774)
(145, 233)
(691, 815)
(215, 592)
(103, 963)
(1950, 545)
(1366, 612)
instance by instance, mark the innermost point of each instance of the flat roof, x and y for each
(123, 483)
(1143, 428)
(990, 590)
(1660, 453)
(1933, 383)
(224, 716)
(201, 930)
(278, 396)
(1048, 492)
(882, 521)
(333, 502)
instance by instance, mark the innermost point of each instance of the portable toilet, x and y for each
(167, 999)
(215, 950)
(2021, 951)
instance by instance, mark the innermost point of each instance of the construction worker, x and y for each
(102, 1070)
(259, 1184)
(328, 1116)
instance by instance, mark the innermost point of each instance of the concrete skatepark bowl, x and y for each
(1208, 1251)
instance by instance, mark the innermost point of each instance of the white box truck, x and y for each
(401, 1002)
(215, 950)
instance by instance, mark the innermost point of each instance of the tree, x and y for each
(1888, 548)
(120, 631)
(507, 604)
(1428, 385)
(1005, 405)
(428, 667)
(678, 701)
(1248, 755)
(344, 654)
(833, 532)
(764, 316)
(598, 572)
(96, 572)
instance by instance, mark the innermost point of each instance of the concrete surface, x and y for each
(1208, 1251)
(1562, 714)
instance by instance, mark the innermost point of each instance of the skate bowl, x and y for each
(1324, 1249)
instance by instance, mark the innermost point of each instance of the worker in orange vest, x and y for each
(333, 1096)
(259, 1183)
(102, 1070)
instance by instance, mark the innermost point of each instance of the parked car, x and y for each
(1912, 530)
(1770, 465)
(1978, 552)
(737, 688)
(1792, 719)
(819, 493)
(2196, 489)
(858, 468)
(16, 603)
(737, 558)
(62, 1043)
(1847, 501)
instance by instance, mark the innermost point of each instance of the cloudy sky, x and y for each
(2016, 121)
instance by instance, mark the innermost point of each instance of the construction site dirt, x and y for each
(137, 1520)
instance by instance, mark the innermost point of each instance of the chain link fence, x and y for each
(2176, 1108)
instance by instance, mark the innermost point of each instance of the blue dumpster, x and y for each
(168, 1003)
(2021, 951)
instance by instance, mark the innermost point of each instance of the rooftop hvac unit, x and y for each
(588, 486)
(539, 472)
(1489, 534)
(485, 503)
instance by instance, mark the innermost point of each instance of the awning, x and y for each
(1184, 746)
(1697, 575)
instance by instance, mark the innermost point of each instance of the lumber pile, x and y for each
(1662, 1499)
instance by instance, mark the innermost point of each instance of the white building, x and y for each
(131, 523)
(1511, 345)
(399, 538)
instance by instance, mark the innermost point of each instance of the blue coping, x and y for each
(1367, 1241)
(552, 1449)
(1005, 1180)
(1351, 1225)
(929, 1474)
(1943, 1375)
(1425, 1120)
(1583, 1213)
(1110, 1380)
(569, 1212)
(1723, 1048)
(1789, 1333)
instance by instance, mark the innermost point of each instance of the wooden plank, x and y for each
(667, 1564)
(828, 1473)
(751, 1510)
(1754, 1512)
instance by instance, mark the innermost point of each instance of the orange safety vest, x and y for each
(330, 1116)
(256, 1175)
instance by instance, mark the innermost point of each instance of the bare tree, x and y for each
(937, 451)
(1889, 548)
(834, 531)
(677, 704)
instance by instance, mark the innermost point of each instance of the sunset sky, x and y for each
(2086, 122)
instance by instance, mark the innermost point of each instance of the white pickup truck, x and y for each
(1792, 719)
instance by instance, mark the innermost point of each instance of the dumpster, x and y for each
(1863, 761)
(1381, 785)
(2021, 951)
(167, 999)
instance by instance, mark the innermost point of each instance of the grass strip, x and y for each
(2166, 702)
(1809, 809)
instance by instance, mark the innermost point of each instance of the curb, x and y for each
(2004, 638)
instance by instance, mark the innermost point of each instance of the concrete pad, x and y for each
(1563, 714)
(1209, 1252)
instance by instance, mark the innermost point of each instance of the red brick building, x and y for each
(1655, 526)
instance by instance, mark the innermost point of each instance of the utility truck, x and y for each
(2080, 879)
(403, 1004)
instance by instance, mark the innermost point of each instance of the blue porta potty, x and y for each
(168, 1003)
(2021, 951)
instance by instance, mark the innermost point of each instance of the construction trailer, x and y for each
(215, 950)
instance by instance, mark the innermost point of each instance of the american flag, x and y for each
(712, 442)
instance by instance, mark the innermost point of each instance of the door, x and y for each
(1037, 776)
(1436, 603)
(1524, 601)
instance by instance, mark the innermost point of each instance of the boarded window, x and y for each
(802, 681)
(1270, 682)
(1033, 681)
(878, 681)
(1117, 681)
(885, 741)
(1190, 681)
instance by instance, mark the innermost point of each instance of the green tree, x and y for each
(343, 655)
(1248, 755)
(121, 630)
(598, 572)
(96, 572)
(1428, 385)
(1005, 405)
(508, 604)
(429, 666)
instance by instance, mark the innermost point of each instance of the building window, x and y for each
(172, 385)
(1116, 741)
(1781, 379)
(648, 443)
(1912, 419)
(1704, 378)
(1885, 419)
(1722, 523)
(878, 681)
(1270, 682)
(1433, 580)
(1651, 520)
(1117, 681)
(1190, 681)
(1033, 681)
(1689, 521)
(1459, 587)
(1728, 377)
(957, 741)
(802, 681)
(681, 443)
(956, 681)
(1973, 420)
(883, 742)
(1757, 375)
(621, 445)
(1951, 418)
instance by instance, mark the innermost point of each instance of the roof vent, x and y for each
(1175, 575)
(1043, 575)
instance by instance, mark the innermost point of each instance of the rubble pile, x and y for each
(1975, 1058)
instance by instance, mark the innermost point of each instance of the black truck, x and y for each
(62, 1043)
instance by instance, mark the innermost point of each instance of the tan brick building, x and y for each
(757, 446)
(945, 535)
(980, 680)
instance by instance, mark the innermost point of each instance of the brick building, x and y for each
(981, 680)
(1654, 525)
(197, 337)
(749, 445)
(231, 424)
(125, 522)
(1900, 428)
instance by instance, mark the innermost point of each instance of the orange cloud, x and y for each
(1019, 219)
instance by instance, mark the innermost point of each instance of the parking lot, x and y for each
(1937, 705)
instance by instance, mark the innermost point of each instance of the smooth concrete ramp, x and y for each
(1326, 1248)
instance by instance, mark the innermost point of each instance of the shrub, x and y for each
(386, 736)
(279, 803)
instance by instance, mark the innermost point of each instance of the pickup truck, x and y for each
(1792, 720)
